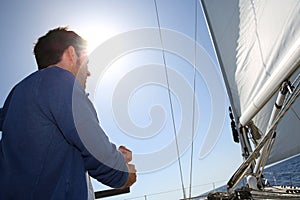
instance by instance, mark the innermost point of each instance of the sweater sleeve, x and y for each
(76, 118)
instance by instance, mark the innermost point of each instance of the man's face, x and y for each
(82, 66)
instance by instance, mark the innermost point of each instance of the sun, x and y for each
(96, 35)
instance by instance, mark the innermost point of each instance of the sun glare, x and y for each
(96, 36)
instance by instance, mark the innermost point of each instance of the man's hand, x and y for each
(131, 168)
(126, 153)
(131, 176)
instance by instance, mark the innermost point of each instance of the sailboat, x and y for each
(258, 48)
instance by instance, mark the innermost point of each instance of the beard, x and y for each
(82, 72)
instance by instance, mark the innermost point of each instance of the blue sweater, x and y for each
(50, 138)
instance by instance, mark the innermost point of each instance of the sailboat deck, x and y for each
(274, 192)
(277, 192)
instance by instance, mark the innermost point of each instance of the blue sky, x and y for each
(102, 22)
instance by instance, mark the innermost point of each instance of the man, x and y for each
(50, 131)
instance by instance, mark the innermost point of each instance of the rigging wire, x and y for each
(170, 100)
(194, 99)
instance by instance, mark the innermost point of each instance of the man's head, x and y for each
(65, 49)
(49, 48)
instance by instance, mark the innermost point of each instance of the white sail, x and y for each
(258, 47)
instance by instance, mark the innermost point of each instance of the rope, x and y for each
(170, 100)
(194, 100)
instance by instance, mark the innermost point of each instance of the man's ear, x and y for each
(71, 54)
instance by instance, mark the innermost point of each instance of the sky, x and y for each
(133, 95)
